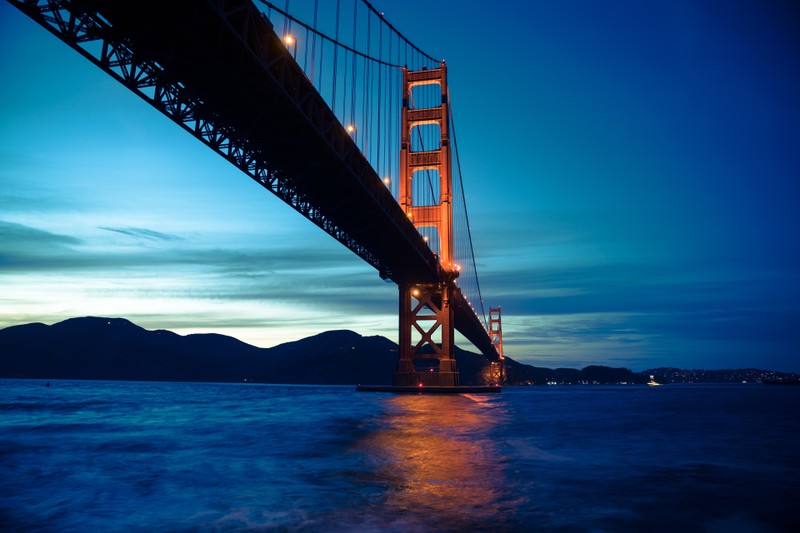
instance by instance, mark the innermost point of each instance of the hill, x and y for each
(117, 349)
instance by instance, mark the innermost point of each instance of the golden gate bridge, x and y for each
(328, 106)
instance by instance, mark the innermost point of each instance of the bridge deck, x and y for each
(225, 55)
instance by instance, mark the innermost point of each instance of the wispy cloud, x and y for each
(23, 247)
(15, 236)
(144, 233)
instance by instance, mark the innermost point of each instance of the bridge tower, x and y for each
(426, 316)
(496, 335)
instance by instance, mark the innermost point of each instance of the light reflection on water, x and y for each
(442, 464)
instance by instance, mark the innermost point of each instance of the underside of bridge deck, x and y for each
(217, 68)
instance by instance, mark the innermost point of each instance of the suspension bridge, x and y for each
(328, 106)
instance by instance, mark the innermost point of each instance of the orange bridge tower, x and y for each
(496, 334)
(426, 351)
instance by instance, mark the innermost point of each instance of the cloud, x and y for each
(27, 249)
(14, 235)
(143, 233)
(329, 279)
(640, 314)
(23, 247)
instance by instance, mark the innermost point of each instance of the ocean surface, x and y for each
(93, 456)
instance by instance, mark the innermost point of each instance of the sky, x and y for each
(632, 173)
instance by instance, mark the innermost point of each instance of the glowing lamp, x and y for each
(289, 40)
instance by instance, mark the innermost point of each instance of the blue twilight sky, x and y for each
(632, 171)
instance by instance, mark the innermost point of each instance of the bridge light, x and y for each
(414, 292)
(350, 128)
(387, 180)
(291, 43)
(425, 237)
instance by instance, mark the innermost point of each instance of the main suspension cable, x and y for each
(466, 214)
(349, 48)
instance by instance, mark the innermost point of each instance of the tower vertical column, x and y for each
(426, 316)
(496, 334)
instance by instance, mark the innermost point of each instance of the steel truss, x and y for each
(84, 31)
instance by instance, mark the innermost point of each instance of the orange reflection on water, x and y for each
(440, 463)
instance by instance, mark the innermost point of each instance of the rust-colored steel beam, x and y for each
(496, 335)
(427, 318)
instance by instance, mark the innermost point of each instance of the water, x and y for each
(124, 456)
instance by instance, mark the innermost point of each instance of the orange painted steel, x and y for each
(496, 335)
(426, 314)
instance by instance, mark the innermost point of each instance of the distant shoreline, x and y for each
(116, 349)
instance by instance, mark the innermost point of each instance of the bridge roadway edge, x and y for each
(248, 92)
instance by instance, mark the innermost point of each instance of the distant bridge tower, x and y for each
(496, 334)
(426, 316)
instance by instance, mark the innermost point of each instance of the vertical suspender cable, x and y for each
(367, 86)
(305, 51)
(345, 84)
(314, 41)
(380, 86)
(285, 19)
(355, 63)
(335, 59)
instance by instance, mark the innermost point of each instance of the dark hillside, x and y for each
(117, 349)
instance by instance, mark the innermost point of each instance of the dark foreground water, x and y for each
(116, 456)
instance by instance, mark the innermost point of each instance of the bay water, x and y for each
(146, 456)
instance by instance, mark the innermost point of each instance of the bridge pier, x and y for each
(426, 348)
